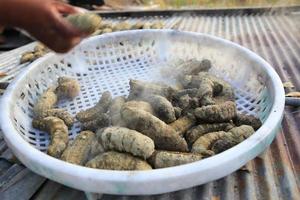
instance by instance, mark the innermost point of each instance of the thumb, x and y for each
(64, 28)
(68, 9)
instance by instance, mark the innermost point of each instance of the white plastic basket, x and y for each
(107, 62)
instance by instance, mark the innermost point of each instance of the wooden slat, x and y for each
(9, 174)
(47, 191)
(3, 146)
(4, 166)
(69, 193)
(9, 155)
(22, 186)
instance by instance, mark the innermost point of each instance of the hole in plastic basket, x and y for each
(23, 109)
(29, 114)
(248, 98)
(153, 43)
(22, 96)
(30, 105)
(29, 93)
(246, 105)
(252, 108)
(22, 131)
(32, 138)
(258, 102)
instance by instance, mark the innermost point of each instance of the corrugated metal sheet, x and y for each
(273, 175)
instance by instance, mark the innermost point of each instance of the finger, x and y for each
(81, 10)
(63, 27)
(66, 8)
(54, 41)
(63, 46)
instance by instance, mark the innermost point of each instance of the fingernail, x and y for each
(81, 10)
(76, 41)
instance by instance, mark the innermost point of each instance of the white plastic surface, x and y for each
(107, 62)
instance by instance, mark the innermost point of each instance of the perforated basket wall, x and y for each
(107, 62)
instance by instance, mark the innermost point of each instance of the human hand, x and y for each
(43, 20)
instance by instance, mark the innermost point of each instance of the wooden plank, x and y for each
(4, 166)
(1, 135)
(3, 146)
(69, 193)
(9, 155)
(9, 174)
(22, 186)
(47, 191)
